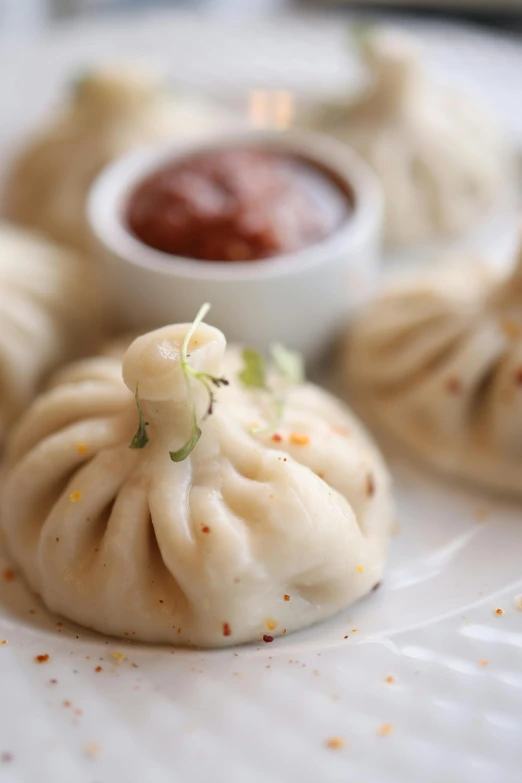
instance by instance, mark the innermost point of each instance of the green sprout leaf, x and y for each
(361, 34)
(253, 374)
(288, 364)
(141, 438)
(206, 379)
(188, 447)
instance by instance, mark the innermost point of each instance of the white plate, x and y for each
(452, 709)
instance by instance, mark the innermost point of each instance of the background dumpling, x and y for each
(440, 161)
(49, 313)
(112, 109)
(438, 361)
(261, 530)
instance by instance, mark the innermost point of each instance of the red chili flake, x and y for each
(226, 630)
(518, 376)
(277, 438)
(160, 600)
(370, 485)
(453, 385)
(32, 611)
(9, 574)
(41, 658)
(98, 669)
(346, 637)
(6, 757)
(53, 682)
(267, 638)
(66, 703)
(236, 581)
(205, 529)
(57, 539)
(179, 630)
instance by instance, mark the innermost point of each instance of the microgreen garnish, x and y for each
(253, 374)
(203, 377)
(361, 34)
(286, 364)
(141, 438)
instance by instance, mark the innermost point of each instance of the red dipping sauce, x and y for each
(241, 204)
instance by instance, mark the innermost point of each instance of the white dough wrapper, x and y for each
(252, 534)
(441, 162)
(49, 313)
(113, 109)
(437, 360)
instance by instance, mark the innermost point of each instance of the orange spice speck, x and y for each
(271, 624)
(41, 658)
(453, 385)
(518, 376)
(9, 574)
(227, 631)
(511, 328)
(98, 669)
(385, 730)
(390, 679)
(299, 439)
(499, 612)
(93, 750)
(205, 529)
(481, 514)
(334, 743)
(4, 641)
(341, 430)
(360, 569)
(75, 496)
(284, 630)
(483, 662)
(82, 449)
(370, 485)
(286, 597)
(66, 703)
(354, 630)
(277, 438)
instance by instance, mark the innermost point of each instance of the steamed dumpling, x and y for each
(438, 361)
(256, 532)
(112, 110)
(439, 160)
(47, 300)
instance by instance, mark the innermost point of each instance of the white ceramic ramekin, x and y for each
(301, 299)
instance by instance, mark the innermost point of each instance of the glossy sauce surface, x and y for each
(241, 204)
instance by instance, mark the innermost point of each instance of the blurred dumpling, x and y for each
(438, 361)
(112, 110)
(439, 159)
(48, 314)
(258, 531)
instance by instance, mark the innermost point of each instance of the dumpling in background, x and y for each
(112, 110)
(438, 361)
(259, 530)
(439, 158)
(48, 314)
